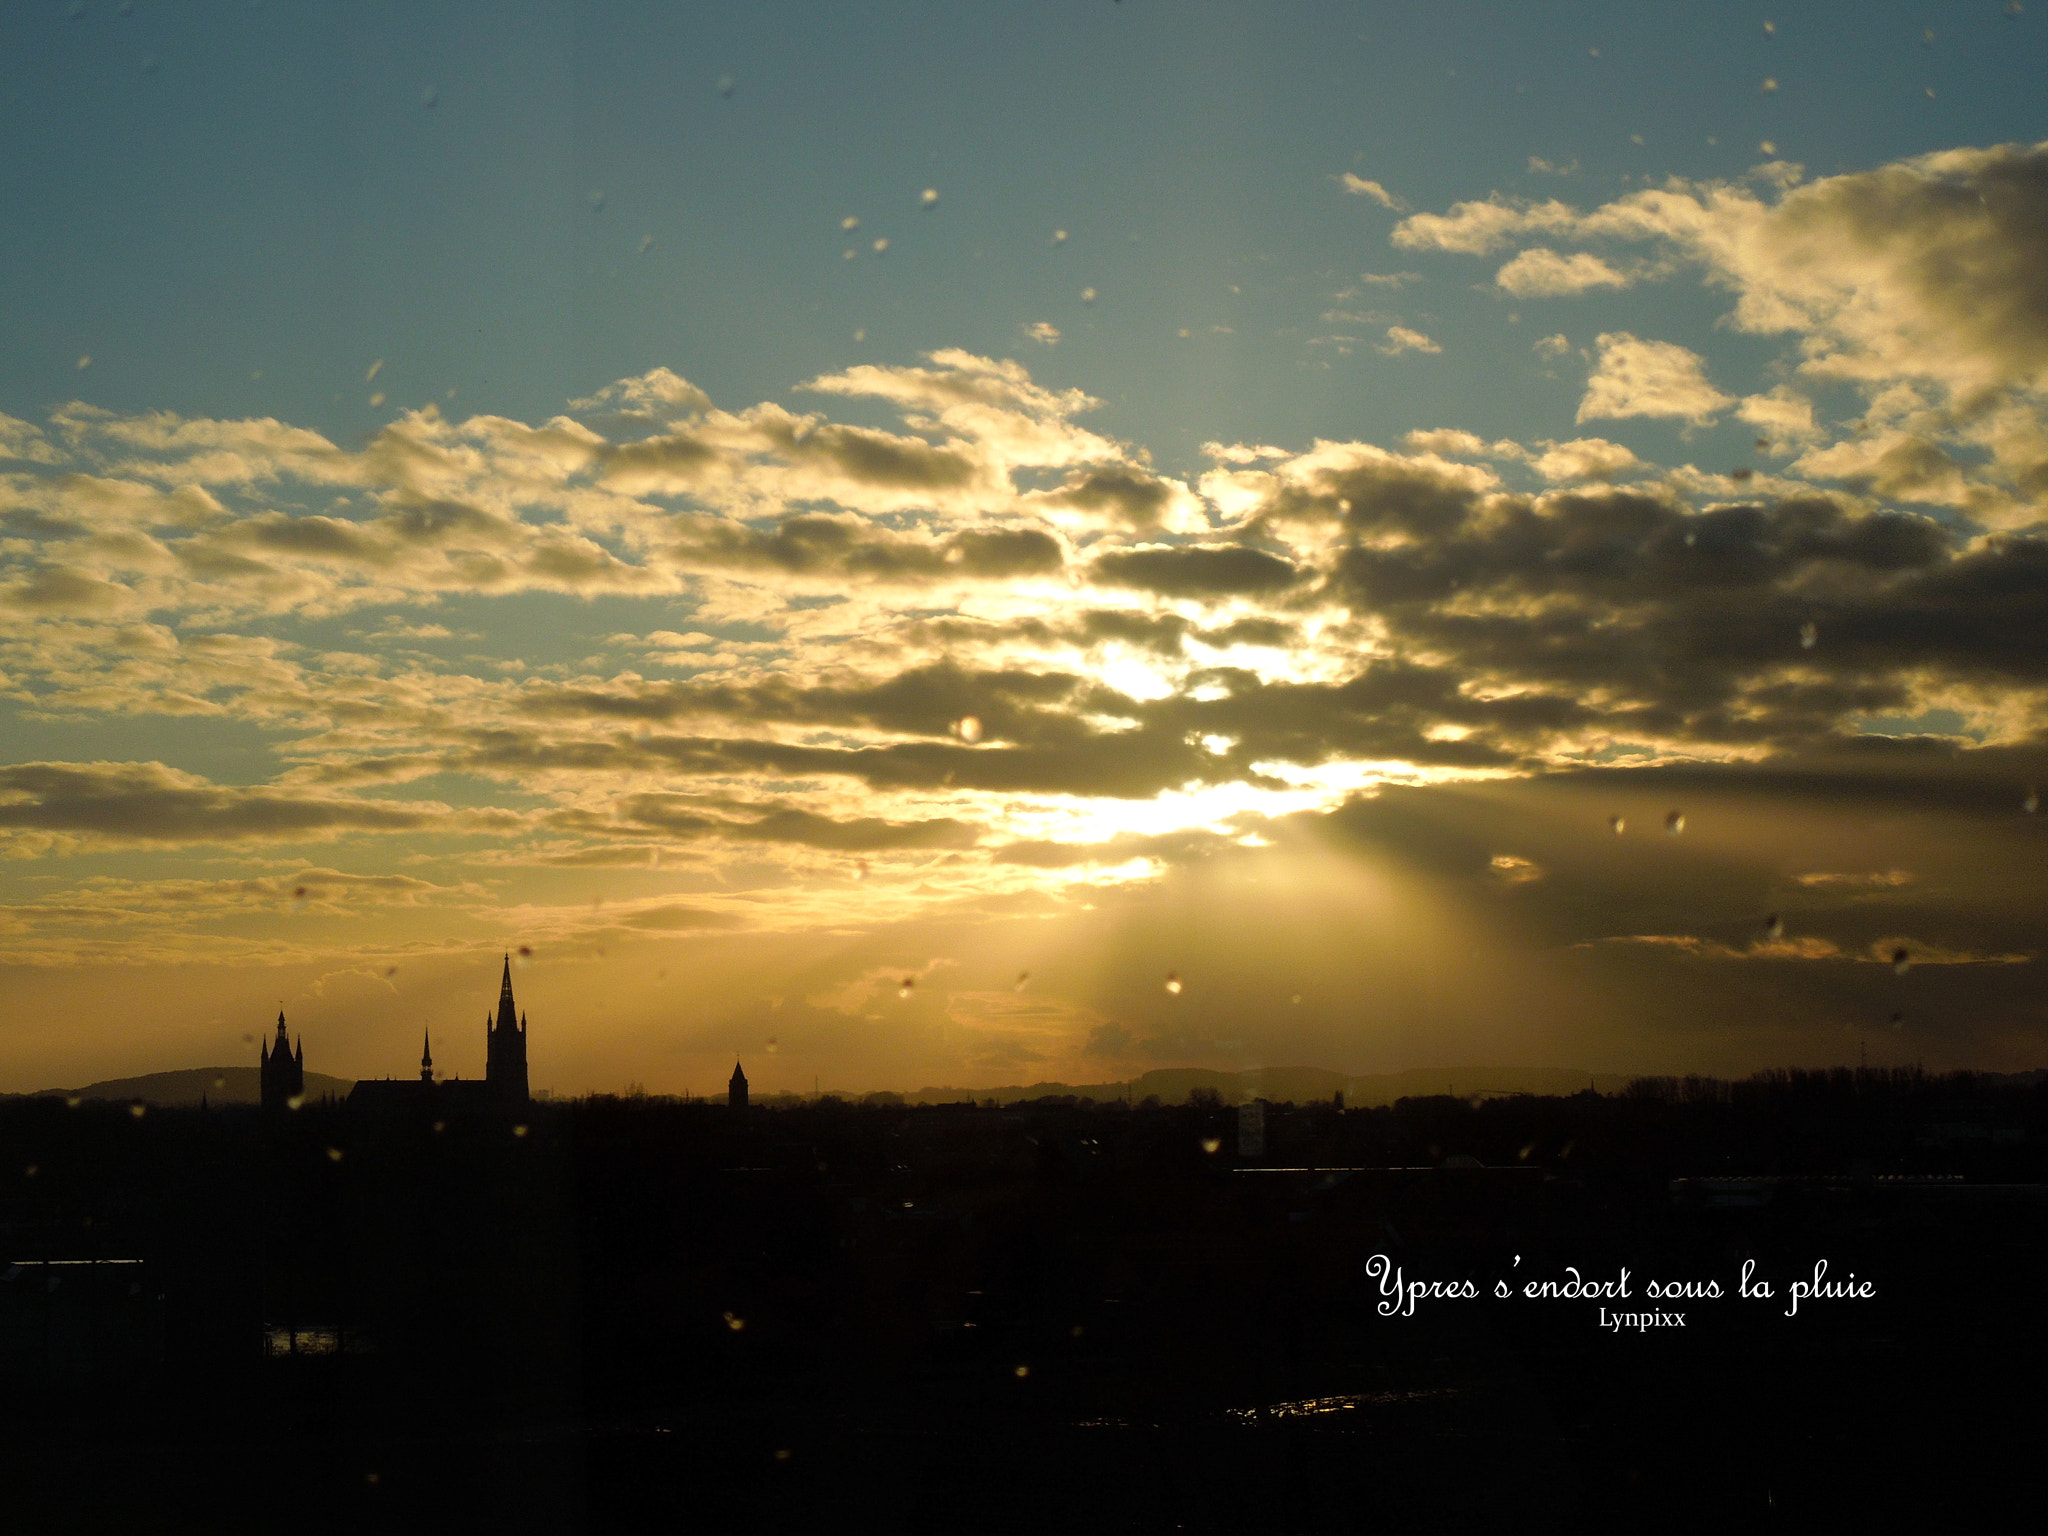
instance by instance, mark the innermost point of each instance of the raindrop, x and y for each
(725, 84)
(1927, 37)
(1691, 538)
(597, 200)
(1023, 1371)
(375, 368)
(1212, 1144)
(138, 1110)
(1768, 147)
(1774, 927)
(848, 254)
(1741, 475)
(968, 729)
(334, 1154)
(1768, 86)
(1763, 445)
(390, 971)
(928, 198)
(861, 334)
(881, 245)
(1898, 1021)
(1296, 999)
(296, 1101)
(526, 952)
(734, 1323)
(2013, 8)
(1087, 295)
(860, 870)
(783, 1454)
(1809, 636)
(2032, 803)
(84, 361)
(30, 1171)
(248, 1039)
(849, 223)
(772, 1045)
(1173, 982)
(377, 399)
(1617, 825)
(1059, 237)
(909, 983)
(1023, 979)
(518, 1130)
(299, 894)
(220, 1082)
(1770, 27)
(428, 97)
(1674, 822)
(646, 244)
(1902, 960)
(71, 1101)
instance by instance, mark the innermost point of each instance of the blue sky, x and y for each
(809, 497)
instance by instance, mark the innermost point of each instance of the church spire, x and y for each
(426, 1056)
(508, 1012)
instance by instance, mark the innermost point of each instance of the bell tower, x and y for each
(505, 1047)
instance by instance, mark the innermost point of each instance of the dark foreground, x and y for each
(638, 1314)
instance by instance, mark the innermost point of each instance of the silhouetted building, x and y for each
(736, 1090)
(503, 1085)
(505, 1057)
(283, 1073)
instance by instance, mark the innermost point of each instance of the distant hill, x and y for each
(1301, 1085)
(220, 1085)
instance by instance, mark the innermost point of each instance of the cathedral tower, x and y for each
(505, 1047)
(283, 1074)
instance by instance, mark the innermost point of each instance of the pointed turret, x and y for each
(505, 1045)
(426, 1056)
(283, 1071)
(736, 1090)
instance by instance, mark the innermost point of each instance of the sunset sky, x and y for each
(871, 537)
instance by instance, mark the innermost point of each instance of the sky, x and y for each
(972, 544)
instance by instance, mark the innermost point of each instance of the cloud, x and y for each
(1360, 187)
(1481, 228)
(1401, 339)
(1541, 273)
(1552, 346)
(1044, 332)
(46, 805)
(1649, 378)
(1584, 458)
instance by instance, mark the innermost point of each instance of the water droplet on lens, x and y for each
(2032, 803)
(1674, 822)
(1173, 982)
(909, 983)
(1087, 295)
(1059, 237)
(646, 244)
(725, 84)
(860, 870)
(881, 245)
(1809, 636)
(526, 952)
(138, 1110)
(296, 1101)
(1023, 1371)
(1774, 927)
(1212, 1144)
(734, 1323)
(334, 1154)
(597, 200)
(1741, 474)
(1023, 977)
(849, 223)
(85, 361)
(968, 729)
(1902, 960)
(929, 198)
(428, 97)
(1768, 147)
(1617, 825)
